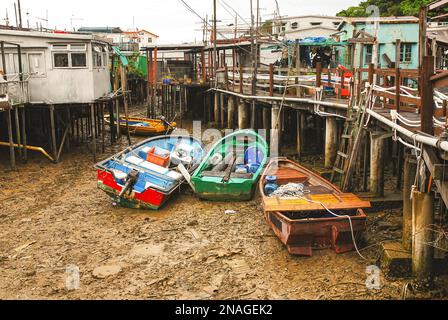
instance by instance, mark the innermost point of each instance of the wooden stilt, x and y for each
(92, 115)
(24, 138)
(17, 124)
(53, 133)
(410, 170)
(12, 156)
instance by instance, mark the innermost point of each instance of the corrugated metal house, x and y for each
(360, 32)
(61, 68)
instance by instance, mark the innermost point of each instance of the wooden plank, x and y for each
(331, 201)
(438, 170)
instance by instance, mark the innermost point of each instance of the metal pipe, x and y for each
(430, 141)
(39, 149)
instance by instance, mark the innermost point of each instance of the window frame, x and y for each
(70, 49)
(368, 53)
(406, 49)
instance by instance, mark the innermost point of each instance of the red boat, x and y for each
(146, 175)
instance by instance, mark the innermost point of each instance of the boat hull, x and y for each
(148, 200)
(301, 237)
(227, 185)
(153, 128)
(145, 176)
(214, 191)
(322, 218)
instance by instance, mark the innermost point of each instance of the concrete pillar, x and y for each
(331, 141)
(243, 115)
(377, 164)
(410, 169)
(422, 234)
(230, 112)
(217, 111)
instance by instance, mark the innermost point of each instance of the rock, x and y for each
(193, 223)
(106, 271)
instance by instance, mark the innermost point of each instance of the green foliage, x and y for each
(133, 67)
(387, 8)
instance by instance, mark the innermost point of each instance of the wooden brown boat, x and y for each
(318, 218)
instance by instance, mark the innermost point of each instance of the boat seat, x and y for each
(212, 174)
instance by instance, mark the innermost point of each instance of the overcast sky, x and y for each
(167, 18)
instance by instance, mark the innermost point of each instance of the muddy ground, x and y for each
(53, 217)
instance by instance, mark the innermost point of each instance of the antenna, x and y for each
(73, 18)
(7, 18)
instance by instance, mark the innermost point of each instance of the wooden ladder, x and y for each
(349, 147)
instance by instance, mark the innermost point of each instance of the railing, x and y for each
(134, 47)
(301, 82)
(17, 91)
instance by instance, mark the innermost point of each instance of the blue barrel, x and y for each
(271, 185)
(253, 156)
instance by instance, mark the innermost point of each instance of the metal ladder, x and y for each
(351, 141)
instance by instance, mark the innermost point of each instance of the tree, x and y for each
(387, 8)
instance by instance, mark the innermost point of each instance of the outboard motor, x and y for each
(131, 179)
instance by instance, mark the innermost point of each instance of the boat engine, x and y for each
(131, 179)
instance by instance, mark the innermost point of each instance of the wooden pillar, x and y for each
(422, 234)
(24, 138)
(427, 95)
(222, 109)
(318, 74)
(204, 67)
(271, 80)
(276, 129)
(397, 74)
(230, 112)
(241, 79)
(331, 141)
(93, 127)
(377, 164)
(53, 134)
(410, 170)
(18, 135)
(243, 115)
(125, 100)
(117, 108)
(217, 111)
(301, 124)
(12, 156)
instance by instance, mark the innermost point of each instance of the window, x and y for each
(69, 55)
(60, 60)
(294, 25)
(36, 64)
(60, 47)
(79, 60)
(149, 40)
(369, 54)
(97, 57)
(316, 23)
(406, 52)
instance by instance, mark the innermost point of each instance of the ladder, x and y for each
(350, 143)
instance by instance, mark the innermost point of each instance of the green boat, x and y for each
(231, 169)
